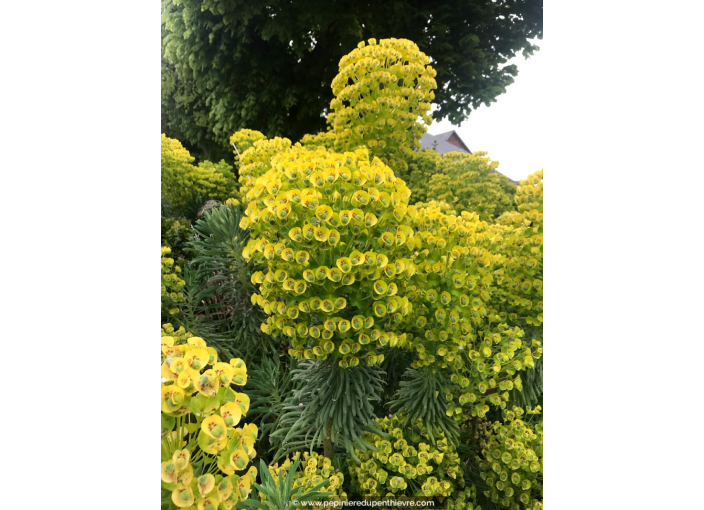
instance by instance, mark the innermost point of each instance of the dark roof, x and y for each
(444, 142)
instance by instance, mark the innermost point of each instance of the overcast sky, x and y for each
(509, 129)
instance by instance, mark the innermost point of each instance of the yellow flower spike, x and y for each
(182, 497)
(206, 483)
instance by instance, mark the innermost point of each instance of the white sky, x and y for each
(508, 129)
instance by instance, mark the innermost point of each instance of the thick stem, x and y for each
(327, 443)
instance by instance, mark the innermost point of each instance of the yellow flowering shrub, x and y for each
(332, 230)
(180, 179)
(315, 469)
(469, 182)
(381, 90)
(438, 205)
(243, 140)
(256, 161)
(422, 165)
(511, 462)
(465, 499)
(203, 452)
(454, 322)
(407, 464)
(520, 276)
(171, 284)
(324, 139)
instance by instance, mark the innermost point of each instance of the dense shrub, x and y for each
(390, 300)
(202, 449)
(180, 179)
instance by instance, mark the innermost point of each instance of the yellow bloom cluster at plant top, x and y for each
(180, 179)
(197, 397)
(333, 232)
(407, 465)
(171, 284)
(316, 469)
(381, 90)
(512, 462)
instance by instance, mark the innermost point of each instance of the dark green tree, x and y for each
(268, 65)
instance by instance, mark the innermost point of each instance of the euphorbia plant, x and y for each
(203, 452)
(333, 232)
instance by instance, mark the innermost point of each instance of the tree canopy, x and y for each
(268, 65)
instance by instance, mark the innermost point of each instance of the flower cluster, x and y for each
(450, 290)
(171, 284)
(512, 462)
(316, 469)
(256, 161)
(243, 140)
(333, 232)
(470, 182)
(324, 139)
(520, 279)
(180, 179)
(463, 500)
(381, 90)
(422, 165)
(197, 396)
(406, 465)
